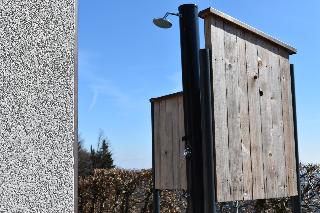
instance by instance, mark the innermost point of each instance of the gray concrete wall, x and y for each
(37, 105)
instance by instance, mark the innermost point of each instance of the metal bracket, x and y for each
(187, 152)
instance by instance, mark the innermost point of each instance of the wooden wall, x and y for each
(253, 118)
(170, 164)
(253, 115)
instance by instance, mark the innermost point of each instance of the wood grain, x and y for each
(254, 117)
(170, 166)
(233, 112)
(277, 139)
(220, 110)
(266, 117)
(244, 117)
(166, 146)
(182, 161)
(175, 141)
(288, 128)
(157, 144)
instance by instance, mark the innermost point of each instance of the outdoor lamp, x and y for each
(164, 22)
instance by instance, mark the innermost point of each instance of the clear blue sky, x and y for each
(124, 60)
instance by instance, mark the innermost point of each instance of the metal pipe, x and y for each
(296, 200)
(207, 132)
(189, 40)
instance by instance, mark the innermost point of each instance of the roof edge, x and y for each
(166, 96)
(211, 11)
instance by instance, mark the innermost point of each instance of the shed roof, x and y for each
(213, 12)
(166, 97)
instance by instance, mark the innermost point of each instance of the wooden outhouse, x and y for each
(253, 116)
(168, 132)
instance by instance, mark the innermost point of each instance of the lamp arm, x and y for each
(169, 13)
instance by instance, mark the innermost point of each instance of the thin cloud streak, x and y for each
(105, 88)
(100, 86)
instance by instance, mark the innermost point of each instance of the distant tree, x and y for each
(84, 162)
(103, 156)
(100, 158)
(93, 158)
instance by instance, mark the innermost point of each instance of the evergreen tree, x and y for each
(106, 161)
(84, 162)
(93, 158)
(101, 158)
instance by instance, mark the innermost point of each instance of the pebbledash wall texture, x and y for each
(38, 105)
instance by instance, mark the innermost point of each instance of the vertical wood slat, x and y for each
(165, 179)
(277, 125)
(233, 112)
(175, 142)
(266, 119)
(157, 145)
(254, 117)
(288, 128)
(244, 118)
(223, 177)
(182, 161)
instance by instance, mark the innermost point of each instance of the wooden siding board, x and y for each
(233, 113)
(277, 124)
(254, 118)
(182, 160)
(169, 143)
(288, 129)
(157, 145)
(244, 117)
(175, 142)
(165, 143)
(220, 110)
(266, 119)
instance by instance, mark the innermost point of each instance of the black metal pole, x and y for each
(189, 39)
(155, 192)
(296, 200)
(207, 132)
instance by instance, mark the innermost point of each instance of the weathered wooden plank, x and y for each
(288, 129)
(175, 142)
(278, 155)
(157, 145)
(169, 129)
(266, 117)
(244, 117)
(182, 160)
(220, 109)
(166, 157)
(254, 117)
(233, 113)
(162, 124)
